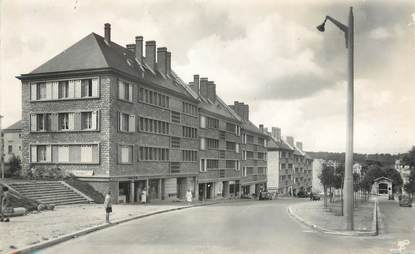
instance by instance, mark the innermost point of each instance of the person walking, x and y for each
(5, 202)
(144, 196)
(189, 197)
(108, 206)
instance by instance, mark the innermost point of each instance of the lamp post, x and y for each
(348, 175)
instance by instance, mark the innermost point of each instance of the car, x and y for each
(405, 200)
(301, 194)
(265, 195)
(314, 196)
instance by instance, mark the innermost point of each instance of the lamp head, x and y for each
(321, 27)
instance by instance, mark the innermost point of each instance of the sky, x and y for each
(267, 54)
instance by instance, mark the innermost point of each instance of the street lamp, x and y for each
(348, 175)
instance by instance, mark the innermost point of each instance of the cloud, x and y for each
(379, 33)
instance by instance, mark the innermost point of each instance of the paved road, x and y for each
(240, 227)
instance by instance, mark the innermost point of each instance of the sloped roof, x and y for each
(16, 126)
(278, 144)
(93, 52)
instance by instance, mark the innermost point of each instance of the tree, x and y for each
(326, 179)
(14, 166)
(410, 185)
(409, 158)
(396, 178)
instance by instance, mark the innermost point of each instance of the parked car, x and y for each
(301, 194)
(265, 195)
(405, 200)
(314, 196)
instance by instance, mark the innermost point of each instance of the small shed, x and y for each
(382, 185)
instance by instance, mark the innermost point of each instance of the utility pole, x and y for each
(1, 150)
(348, 174)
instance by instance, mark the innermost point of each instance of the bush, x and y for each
(14, 167)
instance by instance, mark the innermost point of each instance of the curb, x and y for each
(327, 231)
(35, 247)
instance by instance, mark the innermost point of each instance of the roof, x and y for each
(278, 144)
(382, 178)
(17, 126)
(93, 52)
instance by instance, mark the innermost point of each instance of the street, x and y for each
(239, 227)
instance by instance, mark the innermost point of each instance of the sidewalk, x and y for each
(314, 214)
(39, 227)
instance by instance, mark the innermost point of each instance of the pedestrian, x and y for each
(144, 196)
(108, 206)
(5, 205)
(189, 197)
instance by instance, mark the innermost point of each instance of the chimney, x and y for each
(299, 145)
(162, 60)
(276, 133)
(241, 109)
(195, 84)
(261, 128)
(211, 91)
(168, 63)
(266, 130)
(139, 48)
(107, 32)
(151, 54)
(290, 140)
(203, 90)
(131, 47)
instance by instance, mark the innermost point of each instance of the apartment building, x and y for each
(219, 134)
(254, 152)
(12, 138)
(116, 118)
(289, 167)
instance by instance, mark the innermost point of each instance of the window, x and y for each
(222, 154)
(153, 154)
(189, 155)
(244, 155)
(249, 139)
(40, 122)
(222, 135)
(175, 142)
(202, 165)
(230, 146)
(153, 126)
(261, 141)
(65, 121)
(231, 164)
(125, 154)
(125, 91)
(231, 127)
(86, 120)
(243, 138)
(261, 156)
(212, 164)
(175, 117)
(175, 167)
(126, 122)
(189, 109)
(189, 132)
(212, 143)
(261, 171)
(249, 155)
(151, 97)
(212, 123)
(249, 170)
(63, 90)
(244, 171)
(10, 149)
(40, 153)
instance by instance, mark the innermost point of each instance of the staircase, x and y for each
(50, 192)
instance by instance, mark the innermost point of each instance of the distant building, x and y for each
(289, 167)
(404, 170)
(13, 141)
(357, 168)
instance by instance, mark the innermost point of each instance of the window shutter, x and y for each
(237, 148)
(121, 91)
(94, 120)
(120, 121)
(71, 89)
(119, 153)
(48, 154)
(48, 90)
(202, 121)
(78, 88)
(33, 122)
(54, 122)
(95, 153)
(202, 143)
(33, 153)
(55, 90)
(131, 123)
(33, 91)
(130, 92)
(55, 153)
(95, 83)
